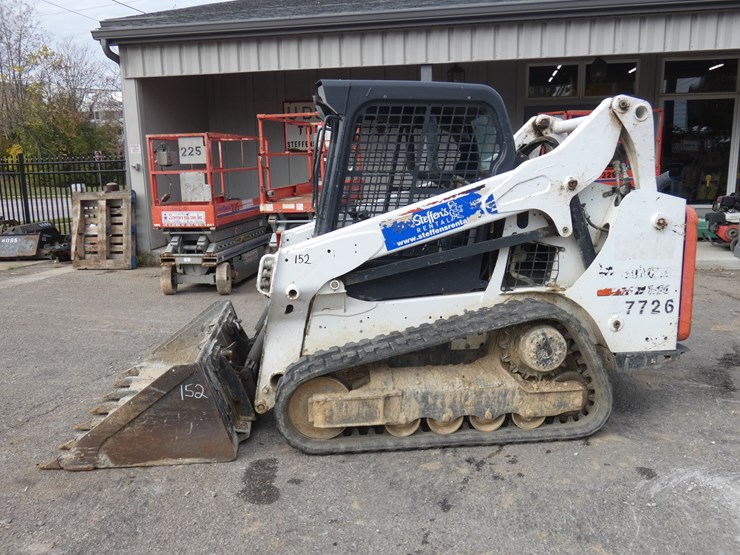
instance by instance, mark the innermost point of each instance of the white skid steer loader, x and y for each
(460, 285)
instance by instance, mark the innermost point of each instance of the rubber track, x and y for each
(427, 335)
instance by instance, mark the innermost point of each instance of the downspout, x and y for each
(108, 52)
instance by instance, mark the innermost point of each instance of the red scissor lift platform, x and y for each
(205, 199)
(287, 173)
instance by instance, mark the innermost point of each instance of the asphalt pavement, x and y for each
(663, 475)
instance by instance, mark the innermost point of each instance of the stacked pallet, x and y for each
(102, 234)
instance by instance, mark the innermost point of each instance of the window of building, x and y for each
(611, 79)
(699, 98)
(589, 78)
(553, 80)
(700, 76)
(696, 147)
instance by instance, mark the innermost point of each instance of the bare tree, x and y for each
(24, 56)
(51, 99)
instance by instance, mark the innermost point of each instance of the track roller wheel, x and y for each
(168, 280)
(445, 428)
(298, 407)
(223, 278)
(403, 430)
(487, 424)
(527, 423)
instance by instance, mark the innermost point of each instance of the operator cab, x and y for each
(394, 143)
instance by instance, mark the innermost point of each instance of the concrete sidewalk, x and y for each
(715, 257)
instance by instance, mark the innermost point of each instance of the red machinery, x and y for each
(287, 187)
(204, 197)
(724, 220)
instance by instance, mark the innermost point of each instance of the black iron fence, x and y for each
(36, 190)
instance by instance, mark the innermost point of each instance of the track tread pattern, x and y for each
(374, 350)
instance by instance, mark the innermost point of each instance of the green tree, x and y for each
(78, 112)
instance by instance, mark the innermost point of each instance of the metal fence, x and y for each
(40, 189)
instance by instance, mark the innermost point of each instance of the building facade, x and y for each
(215, 67)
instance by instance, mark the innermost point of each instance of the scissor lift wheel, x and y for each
(223, 278)
(168, 280)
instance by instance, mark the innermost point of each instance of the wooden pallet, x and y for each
(102, 235)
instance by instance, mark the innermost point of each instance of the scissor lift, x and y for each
(204, 198)
(287, 186)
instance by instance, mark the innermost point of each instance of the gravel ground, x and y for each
(661, 477)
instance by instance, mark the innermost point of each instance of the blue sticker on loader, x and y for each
(435, 220)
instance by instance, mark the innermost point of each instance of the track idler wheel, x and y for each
(299, 407)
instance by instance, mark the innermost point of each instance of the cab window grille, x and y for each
(401, 154)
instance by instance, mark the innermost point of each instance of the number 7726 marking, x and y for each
(650, 307)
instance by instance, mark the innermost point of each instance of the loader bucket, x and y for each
(190, 401)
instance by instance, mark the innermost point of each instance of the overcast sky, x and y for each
(63, 18)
